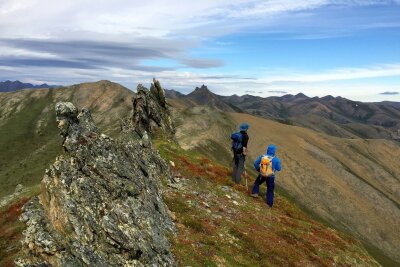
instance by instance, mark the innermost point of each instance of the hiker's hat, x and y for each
(244, 127)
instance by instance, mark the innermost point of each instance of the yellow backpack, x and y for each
(266, 166)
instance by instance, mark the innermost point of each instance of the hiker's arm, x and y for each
(278, 165)
(245, 141)
(257, 164)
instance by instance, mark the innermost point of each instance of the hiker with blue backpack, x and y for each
(239, 149)
(266, 165)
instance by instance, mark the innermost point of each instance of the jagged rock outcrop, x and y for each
(158, 92)
(150, 110)
(101, 203)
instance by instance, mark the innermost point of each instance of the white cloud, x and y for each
(152, 18)
(383, 70)
(274, 7)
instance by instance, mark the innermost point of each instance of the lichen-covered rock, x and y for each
(150, 111)
(158, 92)
(101, 203)
(74, 128)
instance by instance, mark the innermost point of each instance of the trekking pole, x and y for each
(245, 176)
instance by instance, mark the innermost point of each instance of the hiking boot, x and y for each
(254, 195)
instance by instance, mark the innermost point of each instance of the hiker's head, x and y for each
(271, 150)
(244, 127)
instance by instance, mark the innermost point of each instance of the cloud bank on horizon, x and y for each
(319, 47)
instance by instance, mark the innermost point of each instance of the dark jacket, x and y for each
(245, 140)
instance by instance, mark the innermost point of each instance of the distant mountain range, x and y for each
(335, 116)
(172, 94)
(11, 86)
(203, 96)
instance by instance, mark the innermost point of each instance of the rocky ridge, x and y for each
(150, 110)
(101, 202)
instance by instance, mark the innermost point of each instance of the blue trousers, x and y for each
(270, 187)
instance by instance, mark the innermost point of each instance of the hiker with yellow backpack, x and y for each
(266, 165)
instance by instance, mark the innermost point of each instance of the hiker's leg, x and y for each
(256, 187)
(240, 168)
(270, 191)
(234, 167)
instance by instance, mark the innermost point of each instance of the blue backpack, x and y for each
(236, 141)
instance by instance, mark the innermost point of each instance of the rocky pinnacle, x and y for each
(150, 110)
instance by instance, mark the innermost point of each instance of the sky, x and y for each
(348, 48)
